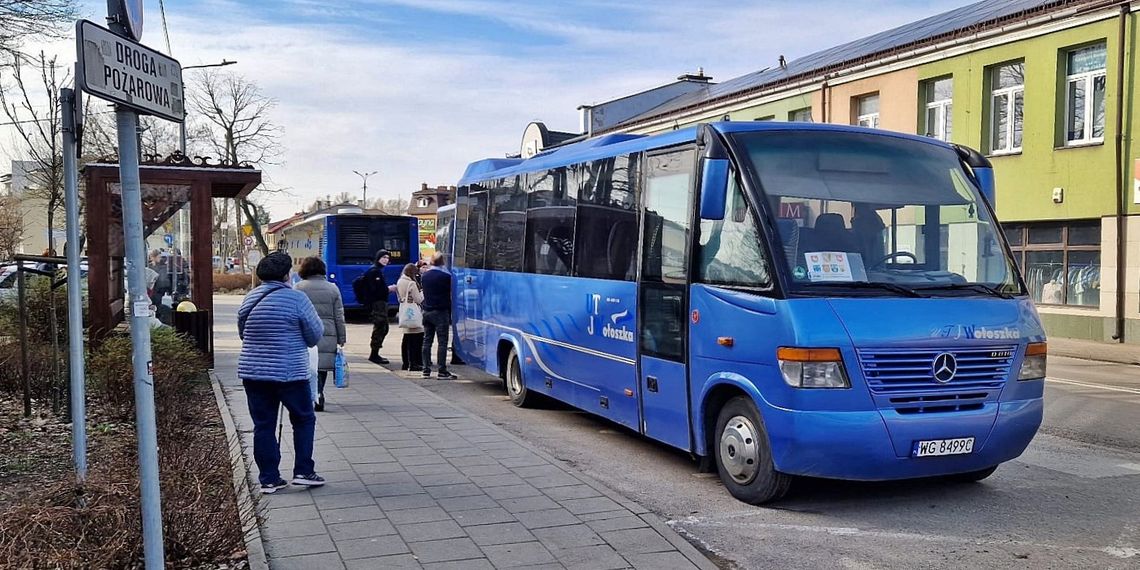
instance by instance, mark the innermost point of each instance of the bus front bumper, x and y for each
(877, 445)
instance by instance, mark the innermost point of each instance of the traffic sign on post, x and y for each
(134, 11)
(123, 71)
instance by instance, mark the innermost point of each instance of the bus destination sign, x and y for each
(123, 71)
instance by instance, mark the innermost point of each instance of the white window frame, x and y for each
(942, 108)
(1089, 80)
(1010, 94)
(870, 119)
(807, 119)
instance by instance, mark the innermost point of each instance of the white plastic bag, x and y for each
(314, 359)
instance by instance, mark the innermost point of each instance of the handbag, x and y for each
(410, 315)
(340, 370)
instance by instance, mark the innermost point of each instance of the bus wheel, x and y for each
(744, 457)
(516, 386)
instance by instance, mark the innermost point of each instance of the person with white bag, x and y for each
(411, 318)
(277, 325)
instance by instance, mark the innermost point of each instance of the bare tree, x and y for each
(238, 127)
(40, 127)
(393, 206)
(20, 19)
(11, 227)
(157, 137)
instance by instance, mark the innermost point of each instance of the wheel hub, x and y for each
(739, 453)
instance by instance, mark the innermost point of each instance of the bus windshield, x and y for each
(862, 214)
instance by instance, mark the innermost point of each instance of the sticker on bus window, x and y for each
(825, 266)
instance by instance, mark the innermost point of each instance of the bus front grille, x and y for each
(890, 371)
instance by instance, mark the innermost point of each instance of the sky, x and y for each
(417, 89)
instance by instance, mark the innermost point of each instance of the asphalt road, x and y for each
(1071, 501)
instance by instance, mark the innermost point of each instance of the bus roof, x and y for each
(614, 144)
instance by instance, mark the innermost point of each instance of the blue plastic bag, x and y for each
(340, 370)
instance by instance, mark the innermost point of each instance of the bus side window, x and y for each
(606, 240)
(730, 249)
(549, 248)
(476, 226)
(507, 222)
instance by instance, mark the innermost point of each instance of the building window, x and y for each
(867, 111)
(800, 115)
(1007, 103)
(1060, 261)
(1084, 95)
(938, 94)
(765, 118)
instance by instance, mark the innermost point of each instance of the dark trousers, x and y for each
(379, 324)
(322, 376)
(411, 350)
(436, 327)
(264, 397)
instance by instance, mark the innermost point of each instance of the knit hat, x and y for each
(274, 267)
(382, 253)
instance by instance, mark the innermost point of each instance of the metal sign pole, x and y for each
(74, 294)
(135, 261)
(122, 17)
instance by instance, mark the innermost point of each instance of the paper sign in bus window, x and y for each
(828, 266)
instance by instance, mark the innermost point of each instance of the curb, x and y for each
(686, 548)
(254, 547)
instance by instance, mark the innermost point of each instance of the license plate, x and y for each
(936, 447)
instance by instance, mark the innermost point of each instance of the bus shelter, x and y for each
(178, 220)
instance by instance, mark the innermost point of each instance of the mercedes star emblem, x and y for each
(945, 367)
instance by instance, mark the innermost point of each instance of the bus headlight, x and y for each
(1033, 367)
(812, 367)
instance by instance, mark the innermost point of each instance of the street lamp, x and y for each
(182, 125)
(364, 176)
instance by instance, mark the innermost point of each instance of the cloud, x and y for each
(417, 89)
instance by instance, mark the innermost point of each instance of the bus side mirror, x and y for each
(714, 188)
(985, 178)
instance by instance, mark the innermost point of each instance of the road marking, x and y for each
(734, 520)
(1096, 386)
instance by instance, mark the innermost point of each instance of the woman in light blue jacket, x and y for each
(277, 325)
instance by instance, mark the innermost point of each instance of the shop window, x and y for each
(938, 97)
(1059, 261)
(1007, 105)
(1084, 95)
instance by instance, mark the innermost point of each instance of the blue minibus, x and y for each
(777, 299)
(348, 242)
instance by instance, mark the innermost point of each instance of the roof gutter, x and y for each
(885, 59)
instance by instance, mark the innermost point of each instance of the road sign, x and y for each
(169, 239)
(248, 240)
(126, 72)
(253, 257)
(134, 11)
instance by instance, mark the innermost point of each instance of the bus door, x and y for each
(469, 277)
(663, 296)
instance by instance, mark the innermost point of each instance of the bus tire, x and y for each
(972, 476)
(516, 385)
(744, 456)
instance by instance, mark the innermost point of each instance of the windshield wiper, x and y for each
(904, 291)
(979, 287)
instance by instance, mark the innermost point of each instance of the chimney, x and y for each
(423, 187)
(698, 77)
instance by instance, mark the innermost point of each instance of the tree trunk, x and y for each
(256, 225)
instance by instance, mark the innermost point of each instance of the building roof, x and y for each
(969, 19)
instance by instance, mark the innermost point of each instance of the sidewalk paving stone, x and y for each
(414, 482)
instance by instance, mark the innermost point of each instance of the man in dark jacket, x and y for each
(378, 288)
(437, 314)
